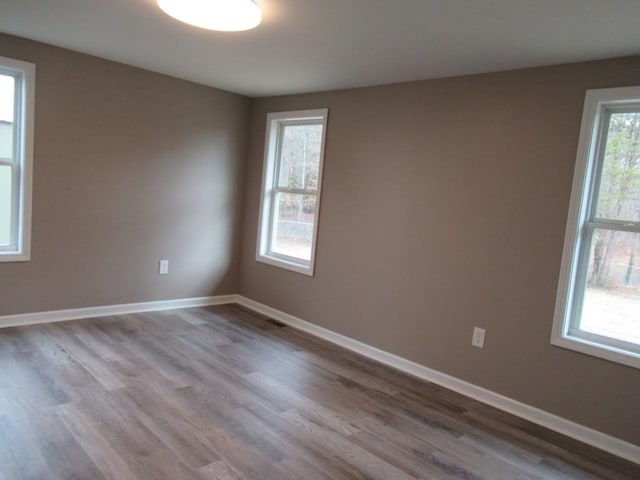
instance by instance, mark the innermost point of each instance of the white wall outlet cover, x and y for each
(478, 337)
(164, 267)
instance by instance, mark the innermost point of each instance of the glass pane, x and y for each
(300, 156)
(7, 86)
(295, 216)
(6, 186)
(612, 297)
(619, 196)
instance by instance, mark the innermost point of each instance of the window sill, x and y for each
(595, 349)
(285, 264)
(6, 257)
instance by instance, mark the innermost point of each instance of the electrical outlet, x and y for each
(478, 337)
(164, 267)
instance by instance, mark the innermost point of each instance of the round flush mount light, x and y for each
(223, 15)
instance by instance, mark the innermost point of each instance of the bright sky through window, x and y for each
(6, 98)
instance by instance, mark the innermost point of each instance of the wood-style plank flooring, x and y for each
(222, 393)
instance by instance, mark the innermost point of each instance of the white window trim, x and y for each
(563, 335)
(274, 120)
(24, 149)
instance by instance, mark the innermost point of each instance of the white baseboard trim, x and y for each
(566, 427)
(105, 311)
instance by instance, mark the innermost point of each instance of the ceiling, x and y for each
(314, 45)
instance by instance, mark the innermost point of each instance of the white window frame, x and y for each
(22, 161)
(275, 124)
(580, 225)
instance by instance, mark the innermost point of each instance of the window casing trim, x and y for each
(565, 332)
(22, 163)
(269, 189)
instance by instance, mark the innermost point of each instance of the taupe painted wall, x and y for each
(130, 167)
(444, 206)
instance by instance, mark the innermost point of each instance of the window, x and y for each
(17, 84)
(598, 302)
(294, 151)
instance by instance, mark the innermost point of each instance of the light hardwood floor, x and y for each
(222, 393)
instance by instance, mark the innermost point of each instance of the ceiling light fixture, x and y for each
(223, 15)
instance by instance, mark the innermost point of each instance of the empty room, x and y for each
(319, 239)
